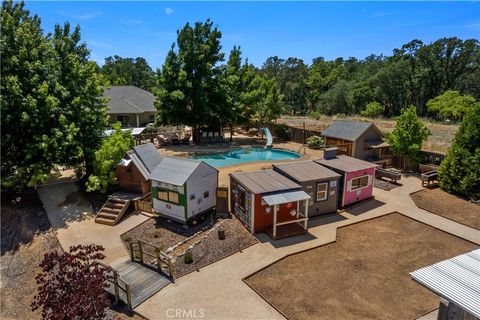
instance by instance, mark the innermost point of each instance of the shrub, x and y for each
(188, 258)
(314, 115)
(283, 132)
(373, 109)
(315, 142)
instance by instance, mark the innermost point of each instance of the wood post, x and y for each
(129, 295)
(170, 267)
(115, 284)
(275, 207)
(306, 215)
(130, 245)
(159, 260)
(140, 250)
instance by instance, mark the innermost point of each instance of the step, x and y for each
(117, 200)
(114, 205)
(111, 210)
(106, 215)
(104, 221)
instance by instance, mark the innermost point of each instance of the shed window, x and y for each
(163, 195)
(241, 199)
(360, 182)
(173, 197)
(206, 194)
(322, 191)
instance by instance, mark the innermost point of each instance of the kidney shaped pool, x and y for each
(244, 155)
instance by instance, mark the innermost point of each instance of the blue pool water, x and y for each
(243, 155)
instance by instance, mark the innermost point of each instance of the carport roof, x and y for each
(285, 197)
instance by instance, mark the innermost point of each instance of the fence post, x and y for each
(159, 261)
(140, 250)
(170, 267)
(115, 281)
(304, 132)
(129, 295)
(130, 245)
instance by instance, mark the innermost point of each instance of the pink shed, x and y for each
(351, 195)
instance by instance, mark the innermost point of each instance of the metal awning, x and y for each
(377, 144)
(285, 197)
(456, 280)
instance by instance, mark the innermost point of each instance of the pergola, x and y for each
(275, 200)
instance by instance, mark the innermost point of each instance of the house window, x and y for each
(124, 120)
(151, 117)
(322, 191)
(163, 195)
(206, 194)
(360, 182)
(173, 197)
(241, 199)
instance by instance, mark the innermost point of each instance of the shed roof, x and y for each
(175, 171)
(146, 158)
(129, 99)
(456, 279)
(285, 197)
(264, 181)
(346, 164)
(348, 129)
(305, 171)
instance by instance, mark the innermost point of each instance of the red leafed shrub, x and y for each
(71, 285)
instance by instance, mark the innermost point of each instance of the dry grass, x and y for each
(439, 141)
(364, 275)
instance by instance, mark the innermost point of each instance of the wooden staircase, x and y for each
(112, 211)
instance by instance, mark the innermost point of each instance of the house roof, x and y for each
(175, 171)
(347, 129)
(305, 171)
(129, 99)
(285, 197)
(346, 164)
(146, 158)
(264, 181)
(456, 279)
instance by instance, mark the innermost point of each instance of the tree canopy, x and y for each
(128, 71)
(51, 108)
(451, 105)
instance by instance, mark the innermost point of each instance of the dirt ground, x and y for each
(26, 237)
(449, 206)
(439, 141)
(364, 275)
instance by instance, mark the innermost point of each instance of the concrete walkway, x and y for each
(71, 217)
(218, 292)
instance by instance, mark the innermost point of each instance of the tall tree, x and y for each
(408, 135)
(460, 170)
(451, 105)
(190, 90)
(129, 71)
(263, 101)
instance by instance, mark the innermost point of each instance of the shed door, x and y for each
(222, 200)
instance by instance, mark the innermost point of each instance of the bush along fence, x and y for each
(288, 133)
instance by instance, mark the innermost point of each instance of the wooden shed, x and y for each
(183, 188)
(358, 176)
(358, 139)
(134, 169)
(319, 182)
(266, 201)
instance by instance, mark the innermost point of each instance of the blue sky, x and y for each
(301, 29)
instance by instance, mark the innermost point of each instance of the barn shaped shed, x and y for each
(357, 176)
(319, 182)
(183, 188)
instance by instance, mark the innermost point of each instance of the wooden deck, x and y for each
(286, 230)
(144, 281)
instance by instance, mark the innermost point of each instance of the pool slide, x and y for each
(269, 137)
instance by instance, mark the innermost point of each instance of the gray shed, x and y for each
(320, 183)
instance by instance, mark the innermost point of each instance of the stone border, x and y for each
(244, 279)
(433, 212)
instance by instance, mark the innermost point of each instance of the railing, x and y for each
(118, 284)
(158, 259)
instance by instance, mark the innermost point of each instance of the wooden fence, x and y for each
(431, 159)
(148, 253)
(120, 286)
(295, 134)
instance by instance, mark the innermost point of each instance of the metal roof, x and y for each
(347, 129)
(456, 279)
(346, 164)
(146, 158)
(175, 171)
(285, 197)
(263, 181)
(305, 171)
(129, 99)
(134, 131)
(377, 144)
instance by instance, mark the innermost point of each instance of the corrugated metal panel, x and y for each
(456, 280)
(263, 181)
(305, 171)
(149, 156)
(175, 171)
(285, 197)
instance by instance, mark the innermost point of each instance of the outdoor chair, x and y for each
(216, 137)
(210, 137)
(204, 137)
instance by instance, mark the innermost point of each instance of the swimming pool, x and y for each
(243, 155)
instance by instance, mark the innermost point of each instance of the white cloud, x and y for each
(169, 11)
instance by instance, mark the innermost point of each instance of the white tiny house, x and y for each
(183, 188)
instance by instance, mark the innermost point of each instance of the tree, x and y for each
(111, 151)
(128, 71)
(373, 109)
(264, 101)
(190, 89)
(50, 106)
(451, 105)
(72, 285)
(460, 170)
(408, 135)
